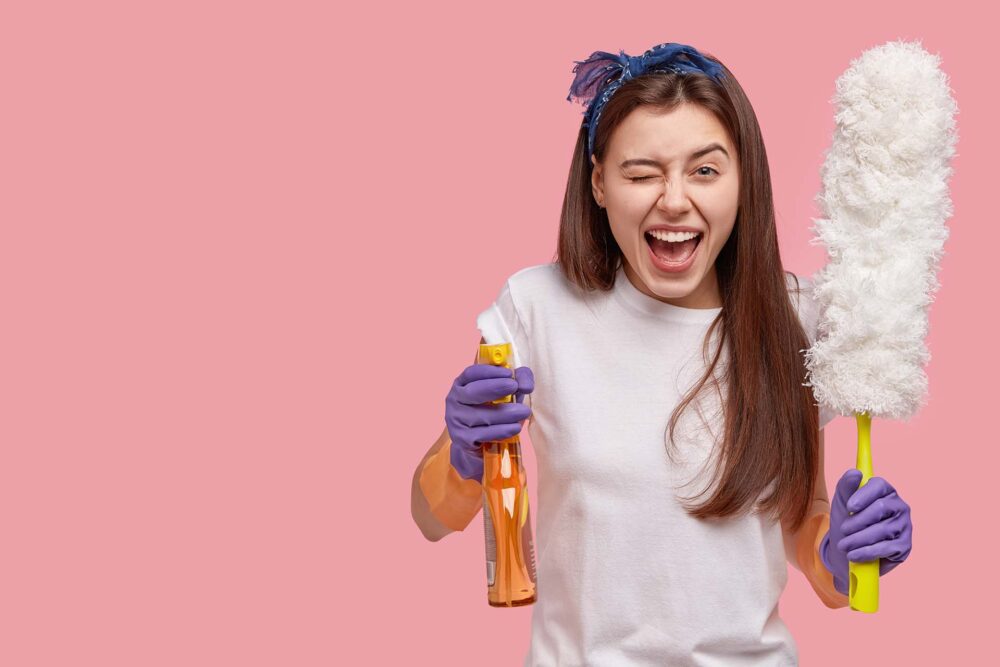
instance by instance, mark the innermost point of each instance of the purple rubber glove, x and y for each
(879, 528)
(471, 423)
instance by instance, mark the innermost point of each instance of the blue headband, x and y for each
(600, 75)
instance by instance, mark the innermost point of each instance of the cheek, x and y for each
(721, 230)
(623, 233)
(632, 206)
(626, 216)
(720, 215)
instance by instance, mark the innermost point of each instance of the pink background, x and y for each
(243, 249)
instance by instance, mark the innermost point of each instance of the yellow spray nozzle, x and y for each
(498, 354)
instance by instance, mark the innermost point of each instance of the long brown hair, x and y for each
(770, 432)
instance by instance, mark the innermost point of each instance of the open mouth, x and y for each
(673, 252)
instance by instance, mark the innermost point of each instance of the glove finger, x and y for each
(897, 551)
(482, 372)
(847, 485)
(483, 434)
(477, 392)
(525, 382)
(874, 488)
(892, 550)
(468, 448)
(885, 566)
(525, 379)
(469, 464)
(900, 547)
(888, 529)
(879, 510)
(490, 415)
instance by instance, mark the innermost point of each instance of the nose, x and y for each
(674, 199)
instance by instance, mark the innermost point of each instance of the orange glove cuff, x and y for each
(453, 500)
(807, 554)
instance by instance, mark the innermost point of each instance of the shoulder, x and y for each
(532, 283)
(538, 274)
(511, 316)
(522, 288)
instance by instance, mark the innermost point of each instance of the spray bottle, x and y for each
(510, 552)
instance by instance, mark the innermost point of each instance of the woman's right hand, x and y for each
(472, 420)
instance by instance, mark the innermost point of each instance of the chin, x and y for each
(670, 287)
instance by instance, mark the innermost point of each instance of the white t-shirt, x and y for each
(624, 575)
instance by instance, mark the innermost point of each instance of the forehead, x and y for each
(668, 136)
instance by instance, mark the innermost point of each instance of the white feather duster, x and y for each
(885, 200)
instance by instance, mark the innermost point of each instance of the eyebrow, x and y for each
(653, 163)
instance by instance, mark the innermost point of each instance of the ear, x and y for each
(597, 181)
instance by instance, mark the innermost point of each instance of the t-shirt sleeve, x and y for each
(809, 314)
(501, 323)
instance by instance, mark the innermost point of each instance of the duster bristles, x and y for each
(885, 200)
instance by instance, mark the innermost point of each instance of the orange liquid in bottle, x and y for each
(510, 554)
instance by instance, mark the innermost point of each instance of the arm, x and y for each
(802, 547)
(441, 502)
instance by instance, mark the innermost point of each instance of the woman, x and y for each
(667, 297)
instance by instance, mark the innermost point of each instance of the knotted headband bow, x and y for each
(600, 75)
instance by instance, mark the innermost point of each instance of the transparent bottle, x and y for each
(510, 551)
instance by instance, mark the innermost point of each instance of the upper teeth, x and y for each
(672, 236)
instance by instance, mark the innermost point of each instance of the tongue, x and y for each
(673, 252)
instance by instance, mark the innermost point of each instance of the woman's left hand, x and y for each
(879, 527)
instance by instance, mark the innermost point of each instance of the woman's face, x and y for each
(652, 176)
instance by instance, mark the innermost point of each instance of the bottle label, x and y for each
(491, 544)
(528, 543)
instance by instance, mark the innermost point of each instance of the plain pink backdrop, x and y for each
(244, 245)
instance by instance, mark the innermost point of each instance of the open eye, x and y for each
(709, 168)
